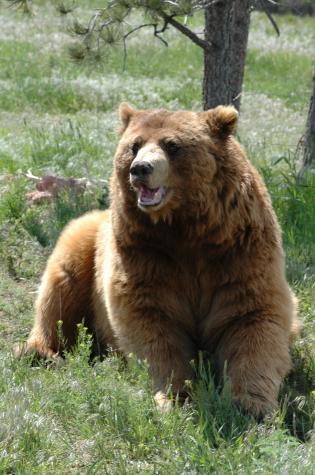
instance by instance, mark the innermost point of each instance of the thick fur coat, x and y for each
(188, 258)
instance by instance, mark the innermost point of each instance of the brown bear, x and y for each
(188, 258)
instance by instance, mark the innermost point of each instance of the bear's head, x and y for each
(169, 163)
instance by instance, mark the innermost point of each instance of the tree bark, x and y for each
(226, 31)
(309, 139)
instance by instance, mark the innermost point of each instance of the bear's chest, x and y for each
(189, 291)
(185, 283)
(179, 285)
(198, 278)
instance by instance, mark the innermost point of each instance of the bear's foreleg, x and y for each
(255, 352)
(167, 349)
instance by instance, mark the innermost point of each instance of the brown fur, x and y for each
(202, 271)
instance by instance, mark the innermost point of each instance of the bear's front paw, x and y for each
(163, 403)
(256, 405)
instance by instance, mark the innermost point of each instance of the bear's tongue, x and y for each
(150, 197)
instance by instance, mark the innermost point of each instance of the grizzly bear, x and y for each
(187, 259)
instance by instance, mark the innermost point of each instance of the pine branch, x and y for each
(130, 32)
(24, 5)
(169, 19)
(264, 6)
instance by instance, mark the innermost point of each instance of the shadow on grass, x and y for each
(298, 395)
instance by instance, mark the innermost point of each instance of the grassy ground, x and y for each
(56, 116)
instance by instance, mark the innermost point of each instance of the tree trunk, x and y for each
(226, 29)
(309, 141)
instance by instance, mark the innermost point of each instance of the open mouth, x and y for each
(150, 196)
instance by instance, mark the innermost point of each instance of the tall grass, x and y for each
(101, 419)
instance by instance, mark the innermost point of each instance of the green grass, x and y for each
(80, 418)
(295, 73)
(60, 117)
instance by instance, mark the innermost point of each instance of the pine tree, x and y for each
(224, 40)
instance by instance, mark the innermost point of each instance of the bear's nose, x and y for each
(141, 169)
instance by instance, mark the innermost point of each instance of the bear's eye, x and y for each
(171, 148)
(135, 148)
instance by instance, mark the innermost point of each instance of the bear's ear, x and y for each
(222, 120)
(125, 114)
